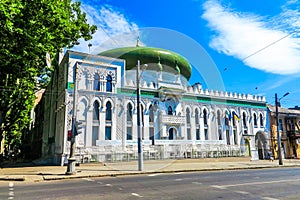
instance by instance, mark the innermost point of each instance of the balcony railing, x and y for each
(170, 119)
(293, 134)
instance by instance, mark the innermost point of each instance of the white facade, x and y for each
(177, 120)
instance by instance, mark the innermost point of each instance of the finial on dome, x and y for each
(159, 66)
(177, 68)
(138, 41)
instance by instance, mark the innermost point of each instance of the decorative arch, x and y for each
(261, 120)
(96, 85)
(173, 132)
(96, 99)
(261, 145)
(255, 119)
(96, 110)
(82, 108)
(108, 100)
(188, 114)
(109, 84)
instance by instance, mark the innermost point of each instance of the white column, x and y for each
(89, 126)
(102, 125)
(146, 127)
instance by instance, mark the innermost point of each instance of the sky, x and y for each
(249, 47)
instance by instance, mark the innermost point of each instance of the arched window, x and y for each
(244, 120)
(151, 127)
(170, 111)
(129, 121)
(96, 110)
(196, 116)
(205, 117)
(96, 82)
(219, 118)
(233, 119)
(227, 128)
(129, 112)
(108, 83)
(261, 120)
(108, 111)
(188, 116)
(205, 124)
(254, 120)
(219, 125)
(197, 124)
(108, 121)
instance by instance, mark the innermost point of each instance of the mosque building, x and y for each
(177, 120)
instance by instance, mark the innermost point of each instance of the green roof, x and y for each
(171, 61)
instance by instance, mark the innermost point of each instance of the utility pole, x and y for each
(138, 93)
(72, 159)
(278, 133)
(277, 101)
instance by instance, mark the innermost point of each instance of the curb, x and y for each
(77, 175)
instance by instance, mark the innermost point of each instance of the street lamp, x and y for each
(139, 127)
(277, 101)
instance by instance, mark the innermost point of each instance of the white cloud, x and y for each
(241, 34)
(114, 30)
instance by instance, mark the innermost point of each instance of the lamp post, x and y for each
(277, 124)
(138, 93)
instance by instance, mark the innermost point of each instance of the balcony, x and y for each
(171, 119)
(293, 134)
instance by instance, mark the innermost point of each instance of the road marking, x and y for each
(253, 183)
(242, 192)
(11, 192)
(88, 179)
(109, 185)
(100, 182)
(135, 194)
(269, 198)
(178, 179)
(219, 187)
(153, 174)
(197, 183)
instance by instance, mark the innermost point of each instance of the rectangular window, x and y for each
(129, 133)
(220, 134)
(197, 134)
(107, 133)
(235, 137)
(95, 132)
(228, 137)
(280, 124)
(189, 137)
(206, 134)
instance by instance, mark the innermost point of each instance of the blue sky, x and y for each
(238, 46)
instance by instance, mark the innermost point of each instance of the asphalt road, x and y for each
(266, 184)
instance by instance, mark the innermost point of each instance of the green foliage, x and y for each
(30, 29)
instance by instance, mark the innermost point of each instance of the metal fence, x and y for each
(157, 152)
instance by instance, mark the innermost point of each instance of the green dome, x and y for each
(170, 61)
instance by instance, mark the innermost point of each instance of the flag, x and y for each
(228, 115)
(236, 116)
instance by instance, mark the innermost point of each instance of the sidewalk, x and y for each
(45, 173)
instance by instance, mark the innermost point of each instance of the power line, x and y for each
(256, 52)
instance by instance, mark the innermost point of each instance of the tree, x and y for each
(30, 29)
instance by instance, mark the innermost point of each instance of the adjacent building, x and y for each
(289, 129)
(177, 120)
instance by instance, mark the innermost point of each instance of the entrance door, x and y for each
(172, 133)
